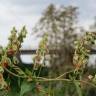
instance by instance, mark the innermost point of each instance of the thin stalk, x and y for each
(77, 85)
(63, 74)
(42, 79)
(14, 73)
(39, 71)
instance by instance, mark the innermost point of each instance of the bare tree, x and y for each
(60, 25)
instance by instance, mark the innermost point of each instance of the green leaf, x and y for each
(19, 71)
(28, 72)
(13, 93)
(25, 87)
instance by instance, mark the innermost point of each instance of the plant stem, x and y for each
(14, 73)
(77, 85)
(42, 79)
(63, 74)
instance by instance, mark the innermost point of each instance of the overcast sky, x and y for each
(27, 12)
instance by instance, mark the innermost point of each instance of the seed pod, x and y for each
(90, 77)
(38, 87)
(5, 64)
(10, 52)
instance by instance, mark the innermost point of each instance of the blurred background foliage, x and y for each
(61, 25)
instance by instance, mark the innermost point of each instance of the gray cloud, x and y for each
(37, 3)
(27, 12)
(28, 7)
